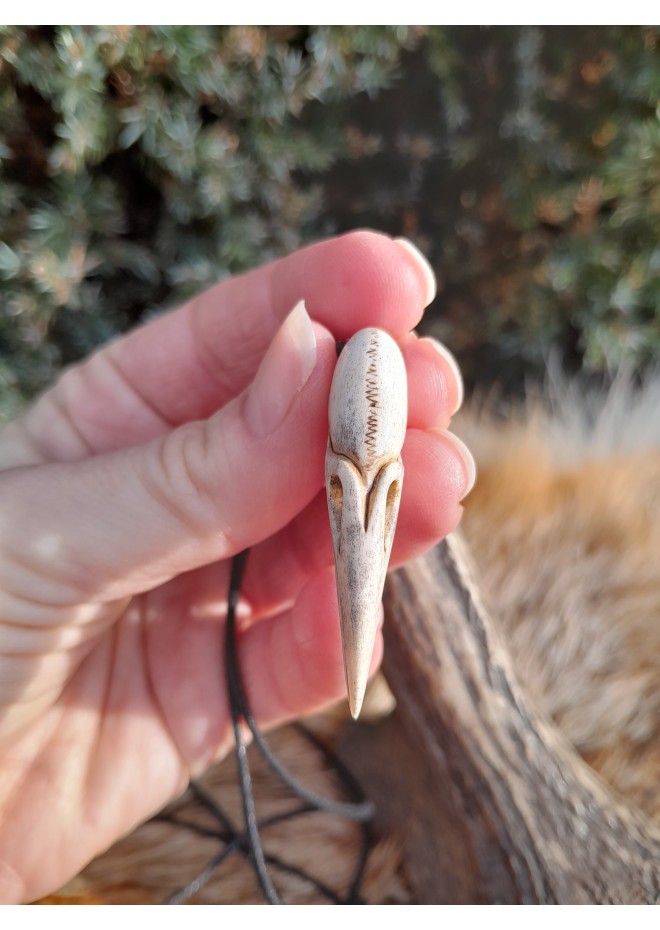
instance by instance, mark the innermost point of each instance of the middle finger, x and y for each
(436, 478)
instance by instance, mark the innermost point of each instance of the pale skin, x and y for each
(124, 492)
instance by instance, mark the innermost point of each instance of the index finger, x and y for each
(190, 362)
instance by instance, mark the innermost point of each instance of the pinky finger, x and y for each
(292, 664)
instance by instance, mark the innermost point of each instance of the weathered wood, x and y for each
(494, 803)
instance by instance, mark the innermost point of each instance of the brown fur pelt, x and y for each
(564, 526)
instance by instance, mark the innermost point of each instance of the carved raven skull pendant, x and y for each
(364, 475)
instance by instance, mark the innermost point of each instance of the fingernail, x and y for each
(466, 458)
(284, 370)
(423, 267)
(453, 364)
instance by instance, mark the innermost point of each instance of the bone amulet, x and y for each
(363, 475)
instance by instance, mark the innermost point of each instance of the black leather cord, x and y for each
(248, 842)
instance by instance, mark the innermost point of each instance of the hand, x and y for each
(124, 492)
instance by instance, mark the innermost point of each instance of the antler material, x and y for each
(364, 475)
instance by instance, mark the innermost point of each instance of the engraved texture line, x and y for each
(372, 395)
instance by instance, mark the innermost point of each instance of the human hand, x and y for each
(124, 492)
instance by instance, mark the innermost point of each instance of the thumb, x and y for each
(120, 523)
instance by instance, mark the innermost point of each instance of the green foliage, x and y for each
(529, 170)
(139, 164)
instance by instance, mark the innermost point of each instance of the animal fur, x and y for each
(564, 525)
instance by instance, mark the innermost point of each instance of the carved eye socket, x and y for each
(383, 503)
(336, 491)
(391, 510)
(335, 507)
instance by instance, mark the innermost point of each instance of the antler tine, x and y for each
(364, 476)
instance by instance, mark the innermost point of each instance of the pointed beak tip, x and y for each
(355, 704)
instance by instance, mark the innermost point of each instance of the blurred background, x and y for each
(140, 164)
